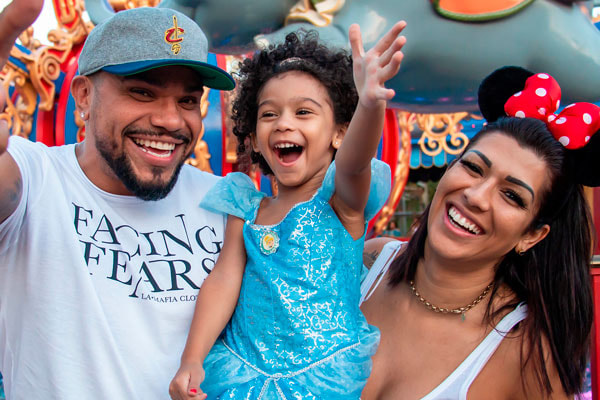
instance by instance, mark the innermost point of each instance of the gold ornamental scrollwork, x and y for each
(120, 5)
(43, 66)
(201, 152)
(18, 115)
(66, 11)
(442, 132)
(69, 14)
(44, 69)
(317, 12)
(233, 64)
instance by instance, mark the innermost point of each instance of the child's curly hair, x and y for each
(301, 51)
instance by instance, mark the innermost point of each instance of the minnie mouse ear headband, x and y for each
(516, 92)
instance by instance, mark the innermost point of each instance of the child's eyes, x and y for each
(471, 166)
(267, 114)
(303, 112)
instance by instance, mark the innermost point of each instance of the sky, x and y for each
(45, 22)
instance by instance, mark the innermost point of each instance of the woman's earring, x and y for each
(520, 252)
(82, 115)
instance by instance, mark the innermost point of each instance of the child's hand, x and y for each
(186, 383)
(3, 124)
(378, 65)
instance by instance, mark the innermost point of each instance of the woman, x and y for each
(491, 297)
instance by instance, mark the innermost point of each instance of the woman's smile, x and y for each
(459, 221)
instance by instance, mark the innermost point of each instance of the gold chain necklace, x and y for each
(459, 310)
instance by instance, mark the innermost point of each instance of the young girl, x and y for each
(290, 265)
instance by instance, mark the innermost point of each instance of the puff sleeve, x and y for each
(235, 194)
(381, 183)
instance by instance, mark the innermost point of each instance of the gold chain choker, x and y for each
(459, 310)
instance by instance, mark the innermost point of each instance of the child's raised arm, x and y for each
(216, 301)
(353, 160)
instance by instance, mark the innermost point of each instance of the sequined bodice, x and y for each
(299, 303)
(302, 300)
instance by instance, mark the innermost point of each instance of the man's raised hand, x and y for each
(14, 19)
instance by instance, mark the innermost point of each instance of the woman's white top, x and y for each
(456, 385)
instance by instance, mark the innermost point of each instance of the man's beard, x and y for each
(122, 168)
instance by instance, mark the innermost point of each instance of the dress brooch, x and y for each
(269, 242)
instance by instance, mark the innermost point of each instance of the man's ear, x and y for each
(81, 89)
(532, 238)
(338, 136)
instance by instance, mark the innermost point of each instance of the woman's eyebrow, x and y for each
(520, 183)
(486, 160)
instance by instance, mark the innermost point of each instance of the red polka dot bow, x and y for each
(572, 127)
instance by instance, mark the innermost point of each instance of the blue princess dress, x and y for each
(297, 331)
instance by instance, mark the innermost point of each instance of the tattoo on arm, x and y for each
(370, 257)
(9, 199)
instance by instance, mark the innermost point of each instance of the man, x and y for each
(102, 245)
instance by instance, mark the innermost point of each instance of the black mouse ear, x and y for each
(496, 89)
(584, 163)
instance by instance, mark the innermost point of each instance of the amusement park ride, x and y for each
(452, 45)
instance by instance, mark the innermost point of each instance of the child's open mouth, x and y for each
(288, 152)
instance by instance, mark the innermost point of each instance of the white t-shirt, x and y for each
(97, 290)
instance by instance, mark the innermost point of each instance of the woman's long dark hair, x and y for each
(553, 277)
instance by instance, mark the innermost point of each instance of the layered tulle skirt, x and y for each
(338, 376)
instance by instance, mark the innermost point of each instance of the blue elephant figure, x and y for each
(445, 59)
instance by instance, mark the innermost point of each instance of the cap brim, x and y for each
(212, 76)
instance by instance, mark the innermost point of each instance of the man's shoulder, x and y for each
(26, 145)
(196, 175)
(193, 180)
(36, 155)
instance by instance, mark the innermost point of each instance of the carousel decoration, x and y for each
(37, 77)
(317, 13)
(119, 5)
(39, 105)
(442, 132)
(201, 152)
(34, 70)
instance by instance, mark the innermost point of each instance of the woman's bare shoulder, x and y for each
(510, 364)
(373, 248)
(532, 387)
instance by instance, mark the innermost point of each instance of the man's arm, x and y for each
(14, 19)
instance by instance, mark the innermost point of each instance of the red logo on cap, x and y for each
(172, 36)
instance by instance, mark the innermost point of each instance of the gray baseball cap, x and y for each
(136, 40)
